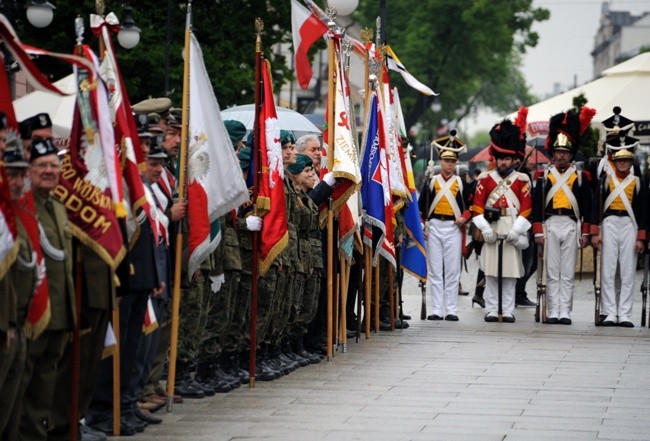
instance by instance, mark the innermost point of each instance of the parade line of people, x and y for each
(510, 217)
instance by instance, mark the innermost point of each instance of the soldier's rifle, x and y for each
(597, 268)
(644, 288)
(540, 309)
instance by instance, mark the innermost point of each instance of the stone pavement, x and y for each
(467, 380)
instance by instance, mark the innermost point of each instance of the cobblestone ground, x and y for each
(467, 380)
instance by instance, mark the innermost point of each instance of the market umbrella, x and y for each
(287, 118)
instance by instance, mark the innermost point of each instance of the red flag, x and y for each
(307, 29)
(270, 198)
(126, 139)
(8, 232)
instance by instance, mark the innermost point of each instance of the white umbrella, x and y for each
(60, 108)
(288, 119)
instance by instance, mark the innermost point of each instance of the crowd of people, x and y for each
(510, 216)
(552, 214)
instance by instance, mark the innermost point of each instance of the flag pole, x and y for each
(330, 162)
(176, 298)
(257, 169)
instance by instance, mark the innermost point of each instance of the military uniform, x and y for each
(502, 205)
(45, 352)
(16, 292)
(561, 214)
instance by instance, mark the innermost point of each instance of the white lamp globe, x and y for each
(40, 13)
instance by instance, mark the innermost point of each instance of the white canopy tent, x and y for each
(60, 108)
(626, 85)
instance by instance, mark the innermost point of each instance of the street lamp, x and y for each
(343, 7)
(129, 35)
(40, 13)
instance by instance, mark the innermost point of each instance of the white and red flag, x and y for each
(215, 184)
(307, 29)
(270, 198)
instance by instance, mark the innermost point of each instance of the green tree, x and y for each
(224, 28)
(468, 50)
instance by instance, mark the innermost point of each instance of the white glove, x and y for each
(519, 228)
(329, 179)
(489, 236)
(216, 282)
(522, 242)
(254, 223)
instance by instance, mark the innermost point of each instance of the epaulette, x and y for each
(523, 177)
(483, 175)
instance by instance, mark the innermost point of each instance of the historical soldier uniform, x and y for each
(443, 203)
(502, 205)
(620, 199)
(561, 212)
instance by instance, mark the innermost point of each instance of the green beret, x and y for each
(245, 157)
(236, 131)
(287, 137)
(302, 161)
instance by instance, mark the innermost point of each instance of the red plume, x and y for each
(520, 121)
(586, 115)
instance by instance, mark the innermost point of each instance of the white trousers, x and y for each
(443, 266)
(491, 295)
(619, 238)
(561, 249)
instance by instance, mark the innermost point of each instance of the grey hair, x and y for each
(301, 143)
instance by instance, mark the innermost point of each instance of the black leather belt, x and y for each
(619, 213)
(560, 212)
(444, 217)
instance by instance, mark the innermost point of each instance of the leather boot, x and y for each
(478, 293)
(287, 350)
(299, 348)
(184, 384)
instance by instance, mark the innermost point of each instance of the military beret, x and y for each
(153, 105)
(287, 137)
(302, 161)
(245, 157)
(236, 131)
(13, 158)
(3, 120)
(42, 147)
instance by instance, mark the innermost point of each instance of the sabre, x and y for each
(596, 264)
(423, 309)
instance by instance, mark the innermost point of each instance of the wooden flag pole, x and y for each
(345, 278)
(391, 297)
(376, 286)
(116, 372)
(176, 297)
(368, 288)
(330, 212)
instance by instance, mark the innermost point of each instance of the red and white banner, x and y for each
(307, 28)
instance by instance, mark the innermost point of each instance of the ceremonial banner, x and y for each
(8, 232)
(215, 184)
(85, 186)
(395, 64)
(270, 198)
(307, 28)
(127, 143)
(345, 164)
(391, 136)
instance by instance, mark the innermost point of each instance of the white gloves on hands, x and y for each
(329, 179)
(519, 228)
(216, 282)
(254, 223)
(489, 236)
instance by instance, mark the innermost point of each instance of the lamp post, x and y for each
(40, 13)
(129, 35)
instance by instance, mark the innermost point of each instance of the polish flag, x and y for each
(307, 29)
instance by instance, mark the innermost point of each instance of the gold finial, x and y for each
(378, 35)
(366, 35)
(331, 16)
(381, 51)
(259, 27)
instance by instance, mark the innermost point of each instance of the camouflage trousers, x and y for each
(220, 312)
(308, 304)
(266, 288)
(193, 317)
(281, 305)
(235, 337)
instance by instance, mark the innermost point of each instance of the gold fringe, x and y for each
(109, 351)
(32, 331)
(337, 205)
(9, 260)
(146, 330)
(421, 279)
(275, 251)
(262, 205)
(120, 211)
(97, 248)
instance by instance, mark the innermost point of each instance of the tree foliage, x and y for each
(224, 28)
(468, 50)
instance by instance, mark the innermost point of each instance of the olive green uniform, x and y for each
(16, 290)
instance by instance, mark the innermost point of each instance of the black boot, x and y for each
(522, 300)
(287, 350)
(478, 293)
(299, 348)
(184, 385)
